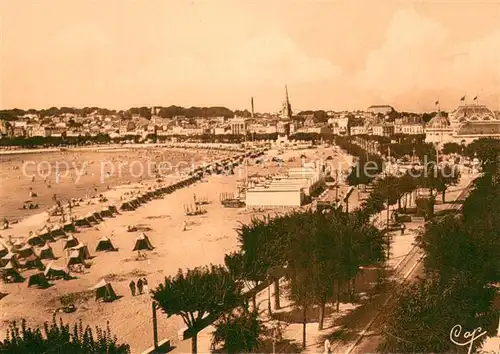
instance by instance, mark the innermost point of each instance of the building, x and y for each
(290, 190)
(464, 125)
(238, 126)
(383, 129)
(37, 130)
(359, 130)
(283, 128)
(382, 109)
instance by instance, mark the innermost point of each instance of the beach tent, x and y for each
(35, 240)
(32, 261)
(54, 272)
(97, 217)
(104, 291)
(142, 243)
(57, 231)
(46, 252)
(3, 250)
(39, 280)
(126, 206)
(10, 257)
(69, 227)
(106, 213)
(17, 245)
(105, 244)
(82, 250)
(83, 222)
(25, 251)
(113, 209)
(71, 241)
(10, 274)
(75, 258)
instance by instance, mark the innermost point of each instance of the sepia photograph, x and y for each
(249, 176)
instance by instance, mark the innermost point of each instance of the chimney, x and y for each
(252, 106)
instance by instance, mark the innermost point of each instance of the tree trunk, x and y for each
(349, 289)
(277, 305)
(338, 295)
(254, 302)
(399, 204)
(321, 314)
(444, 196)
(304, 324)
(353, 288)
(194, 343)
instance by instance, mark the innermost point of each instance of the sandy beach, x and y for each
(207, 239)
(77, 173)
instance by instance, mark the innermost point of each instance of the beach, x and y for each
(207, 239)
(76, 173)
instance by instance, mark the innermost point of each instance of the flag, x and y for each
(463, 98)
(437, 102)
(475, 98)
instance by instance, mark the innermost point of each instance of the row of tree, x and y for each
(461, 267)
(319, 253)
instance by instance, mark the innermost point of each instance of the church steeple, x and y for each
(286, 111)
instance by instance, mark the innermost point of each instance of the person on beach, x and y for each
(131, 285)
(5, 223)
(145, 286)
(139, 286)
(184, 225)
(402, 229)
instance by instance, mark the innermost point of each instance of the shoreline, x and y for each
(125, 147)
(119, 194)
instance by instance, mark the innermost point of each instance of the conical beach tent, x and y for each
(10, 257)
(54, 272)
(82, 250)
(36, 240)
(142, 243)
(38, 280)
(33, 262)
(10, 274)
(74, 258)
(70, 242)
(104, 291)
(25, 251)
(105, 244)
(46, 252)
(3, 250)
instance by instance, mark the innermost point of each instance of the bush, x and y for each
(58, 338)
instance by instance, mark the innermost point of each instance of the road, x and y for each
(363, 332)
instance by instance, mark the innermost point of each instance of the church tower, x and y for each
(286, 110)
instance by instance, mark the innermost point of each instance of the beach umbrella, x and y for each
(35, 240)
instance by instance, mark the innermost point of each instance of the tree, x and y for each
(196, 293)
(58, 338)
(426, 312)
(239, 333)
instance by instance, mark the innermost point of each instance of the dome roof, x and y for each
(472, 113)
(438, 122)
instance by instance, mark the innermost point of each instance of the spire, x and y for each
(287, 107)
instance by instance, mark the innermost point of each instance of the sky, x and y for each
(336, 55)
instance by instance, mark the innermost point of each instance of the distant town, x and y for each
(219, 124)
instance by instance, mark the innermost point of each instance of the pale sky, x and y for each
(331, 54)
